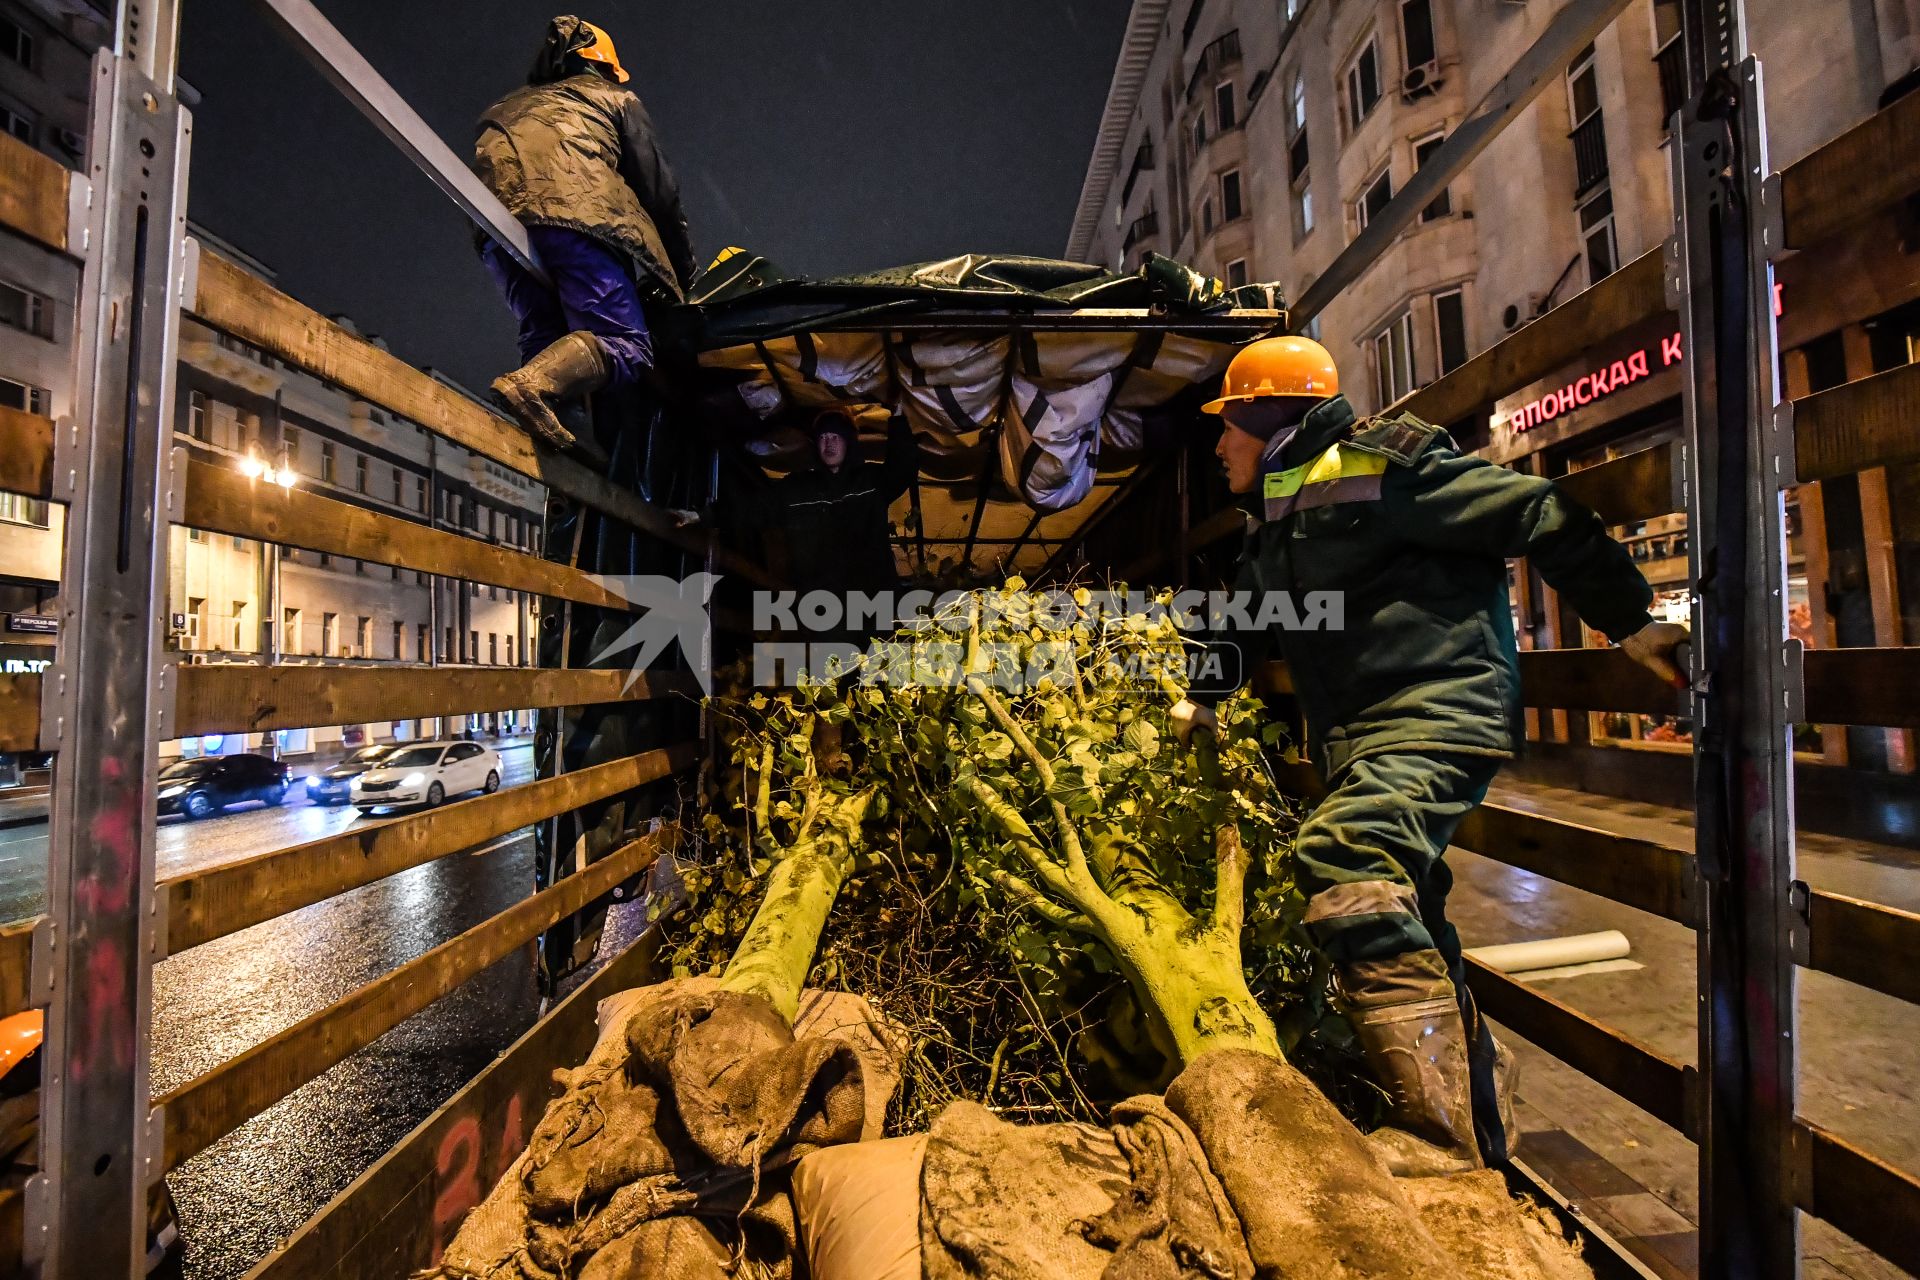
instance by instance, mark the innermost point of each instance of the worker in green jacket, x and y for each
(1411, 698)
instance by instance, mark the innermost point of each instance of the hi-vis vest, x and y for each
(1337, 475)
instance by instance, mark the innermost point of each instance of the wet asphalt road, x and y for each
(254, 1187)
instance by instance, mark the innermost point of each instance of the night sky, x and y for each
(829, 136)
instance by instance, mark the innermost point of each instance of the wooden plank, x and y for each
(20, 713)
(1650, 877)
(33, 193)
(224, 501)
(1637, 487)
(1535, 350)
(1594, 680)
(1869, 422)
(239, 698)
(1657, 1085)
(1864, 170)
(1864, 686)
(1863, 1195)
(212, 1105)
(235, 301)
(26, 453)
(397, 1217)
(16, 965)
(209, 904)
(1864, 942)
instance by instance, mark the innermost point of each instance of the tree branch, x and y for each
(1229, 882)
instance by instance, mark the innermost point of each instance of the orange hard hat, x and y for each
(20, 1035)
(1278, 367)
(601, 51)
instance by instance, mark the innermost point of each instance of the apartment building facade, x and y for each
(1254, 139)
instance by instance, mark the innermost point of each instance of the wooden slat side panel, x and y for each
(212, 1105)
(1869, 422)
(20, 713)
(1638, 873)
(1594, 680)
(222, 500)
(1626, 297)
(237, 302)
(397, 1217)
(1637, 487)
(33, 193)
(1869, 1199)
(1870, 166)
(1656, 1084)
(250, 699)
(26, 453)
(1864, 686)
(1864, 942)
(205, 905)
(16, 965)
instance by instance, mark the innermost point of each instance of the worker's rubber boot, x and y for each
(1407, 1019)
(575, 366)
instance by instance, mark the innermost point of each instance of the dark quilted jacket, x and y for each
(580, 153)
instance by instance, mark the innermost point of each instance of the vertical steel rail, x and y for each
(1720, 281)
(105, 703)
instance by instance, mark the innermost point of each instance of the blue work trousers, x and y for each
(593, 289)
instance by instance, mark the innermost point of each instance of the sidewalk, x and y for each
(1637, 1176)
(22, 806)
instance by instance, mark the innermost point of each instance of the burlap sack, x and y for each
(1174, 1221)
(1491, 1235)
(859, 1209)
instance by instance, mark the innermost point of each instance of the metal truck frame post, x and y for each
(104, 702)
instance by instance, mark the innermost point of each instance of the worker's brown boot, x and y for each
(576, 365)
(1407, 1019)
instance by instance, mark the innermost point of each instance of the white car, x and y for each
(427, 773)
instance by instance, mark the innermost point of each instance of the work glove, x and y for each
(1653, 646)
(1188, 716)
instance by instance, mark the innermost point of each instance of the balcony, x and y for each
(1147, 224)
(1215, 58)
(1142, 163)
(1589, 153)
(1671, 62)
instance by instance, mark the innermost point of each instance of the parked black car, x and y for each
(202, 787)
(334, 785)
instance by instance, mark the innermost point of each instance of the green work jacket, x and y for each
(1414, 536)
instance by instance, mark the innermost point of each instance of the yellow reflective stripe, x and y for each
(1333, 464)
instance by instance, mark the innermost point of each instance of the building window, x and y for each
(398, 491)
(473, 645)
(19, 123)
(326, 560)
(1442, 204)
(1393, 360)
(196, 620)
(199, 423)
(1231, 206)
(446, 644)
(329, 634)
(1669, 58)
(1373, 198)
(493, 648)
(1363, 84)
(327, 462)
(18, 508)
(240, 625)
(289, 446)
(1224, 113)
(1450, 329)
(26, 310)
(1596, 232)
(420, 494)
(1297, 155)
(290, 631)
(16, 43)
(1416, 28)
(420, 643)
(1208, 219)
(1589, 136)
(399, 641)
(1199, 129)
(1237, 273)
(360, 473)
(363, 638)
(23, 396)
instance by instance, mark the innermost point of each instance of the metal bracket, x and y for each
(1673, 277)
(79, 214)
(43, 961)
(176, 492)
(189, 271)
(1783, 459)
(159, 915)
(1677, 477)
(1793, 681)
(166, 684)
(53, 708)
(37, 1220)
(69, 459)
(153, 1144)
(1800, 935)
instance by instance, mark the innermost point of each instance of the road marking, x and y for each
(501, 843)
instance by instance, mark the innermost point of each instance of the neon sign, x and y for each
(1588, 387)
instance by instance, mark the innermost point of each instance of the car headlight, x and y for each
(413, 779)
(169, 793)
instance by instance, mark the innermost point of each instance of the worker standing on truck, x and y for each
(572, 155)
(1410, 707)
